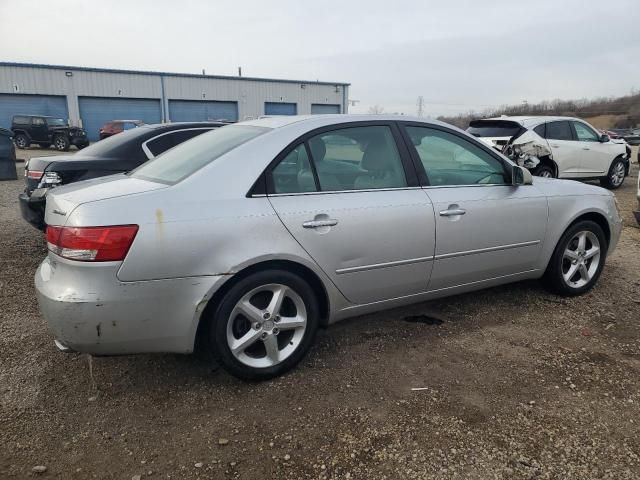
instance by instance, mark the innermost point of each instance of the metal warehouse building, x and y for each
(90, 97)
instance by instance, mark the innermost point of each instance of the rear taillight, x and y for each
(34, 174)
(91, 244)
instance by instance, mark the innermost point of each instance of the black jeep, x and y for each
(46, 131)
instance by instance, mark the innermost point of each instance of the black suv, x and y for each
(46, 131)
(117, 154)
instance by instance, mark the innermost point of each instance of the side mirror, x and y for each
(604, 138)
(521, 176)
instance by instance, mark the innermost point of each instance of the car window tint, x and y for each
(164, 142)
(451, 160)
(357, 158)
(37, 121)
(540, 130)
(584, 133)
(559, 131)
(21, 120)
(293, 174)
(178, 163)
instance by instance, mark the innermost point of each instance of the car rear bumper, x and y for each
(89, 310)
(32, 208)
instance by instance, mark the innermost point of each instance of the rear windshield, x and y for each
(115, 145)
(185, 159)
(493, 128)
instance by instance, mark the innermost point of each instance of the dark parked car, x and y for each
(47, 131)
(118, 154)
(633, 137)
(118, 126)
(7, 156)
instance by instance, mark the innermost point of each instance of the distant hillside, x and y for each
(620, 112)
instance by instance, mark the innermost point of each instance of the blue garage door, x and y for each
(14, 104)
(274, 108)
(202, 111)
(95, 112)
(319, 108)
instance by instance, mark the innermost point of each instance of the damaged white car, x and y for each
(559, 147)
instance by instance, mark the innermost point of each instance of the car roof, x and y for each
(133, 121)
(32, 115)
(276, 121)
(532, 120)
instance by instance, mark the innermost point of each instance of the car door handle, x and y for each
(452, 212)
(320, 223)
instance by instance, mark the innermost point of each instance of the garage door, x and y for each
(274, 108)
(13, 104)
(95, 112)
(202, 111)
(320, 108)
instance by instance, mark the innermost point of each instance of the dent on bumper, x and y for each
(89, 310)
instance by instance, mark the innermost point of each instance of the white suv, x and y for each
(560, 147)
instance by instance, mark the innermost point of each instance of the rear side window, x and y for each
(162, 143)
(179, 163)
(21, 120)
(540, 130)
(355, 158)
(559, 131)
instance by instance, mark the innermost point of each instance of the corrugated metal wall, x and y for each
(249, 94)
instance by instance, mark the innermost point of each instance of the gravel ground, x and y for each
(515, 384)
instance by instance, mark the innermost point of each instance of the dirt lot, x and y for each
(517, 383)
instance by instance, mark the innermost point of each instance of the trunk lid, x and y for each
(61, 201)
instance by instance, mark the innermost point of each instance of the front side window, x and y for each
(355, 158)
(180, 162)
(451, 160)
(559, 131)
(37, 122)
(584, 133)
(56, 122)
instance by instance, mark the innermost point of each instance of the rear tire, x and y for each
(577, 261)
(615, 176)
(21, 141)
(256, 337)
(61, 143)
(545, 171)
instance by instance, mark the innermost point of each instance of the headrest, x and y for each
(376, 156)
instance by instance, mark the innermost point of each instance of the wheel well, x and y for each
(597, 218)
(551, 163)
(304, 272)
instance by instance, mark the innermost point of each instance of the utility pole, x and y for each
(420, 105)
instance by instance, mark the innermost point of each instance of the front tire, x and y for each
(264, 325)
(21, 141)
(615, 176)
(577, 261)
(61, 143)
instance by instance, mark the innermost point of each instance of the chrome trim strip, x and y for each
(375, 266)
(485, 250)
(337, 191)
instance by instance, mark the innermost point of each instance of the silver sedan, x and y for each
(244, 241)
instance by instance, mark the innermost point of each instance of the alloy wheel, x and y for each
(581, 259)
(60, 143)
(21, 142)
(617, 175)
(266, 325)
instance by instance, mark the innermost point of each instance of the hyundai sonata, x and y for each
(244, 241)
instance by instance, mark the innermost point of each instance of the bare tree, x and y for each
(376, 110)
